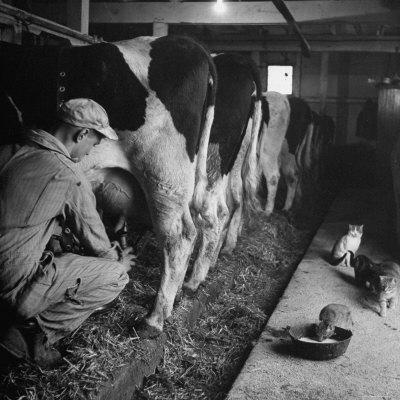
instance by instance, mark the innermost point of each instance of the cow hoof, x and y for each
(178, 298)
(146, 331)
(227, 251)
(189, 292)
(192, 292)
(192, 284)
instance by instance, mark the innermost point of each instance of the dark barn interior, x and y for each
(199, 199)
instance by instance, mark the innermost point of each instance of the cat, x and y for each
(383, 279)
(331, 316)
(385, 284)
(364, 269)
(348, 242)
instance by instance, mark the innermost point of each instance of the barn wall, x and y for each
(347, 86)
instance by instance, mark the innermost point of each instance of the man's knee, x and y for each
(119, 275)
(113, 275)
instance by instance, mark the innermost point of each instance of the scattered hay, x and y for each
(201, 362)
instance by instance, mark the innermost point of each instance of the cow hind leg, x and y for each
(291, 175)
(271, 172)
(292, 184)
(178, 233)
(214, 218)
(234, 225)
(234, 229)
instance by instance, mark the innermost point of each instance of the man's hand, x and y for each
(127, 258)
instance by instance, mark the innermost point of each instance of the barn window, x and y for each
(280, 78)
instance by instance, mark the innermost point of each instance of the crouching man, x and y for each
(44, 296)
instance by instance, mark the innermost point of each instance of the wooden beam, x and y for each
(13, 16)
(78, 15)
(335, 100)
(249, 12)
(365, 44)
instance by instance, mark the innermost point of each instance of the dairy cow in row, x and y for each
(304, 138)
(230, 151)
(231, 154)
(285, 145)
(159, 94)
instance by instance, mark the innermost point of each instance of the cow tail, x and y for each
(208, 118)
(250, 169)
(304, 154)
(305, 159)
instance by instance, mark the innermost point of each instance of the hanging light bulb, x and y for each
(219, 6)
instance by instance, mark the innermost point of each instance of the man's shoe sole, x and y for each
(9, 343)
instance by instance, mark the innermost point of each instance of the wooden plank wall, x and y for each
(388, 122)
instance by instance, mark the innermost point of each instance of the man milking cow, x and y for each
(46, 295)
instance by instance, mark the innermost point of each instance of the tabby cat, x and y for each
(350, 242)
(331, 316)
(383, 279)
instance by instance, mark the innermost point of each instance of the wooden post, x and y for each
(160, 29)
(78, 15)
(388, 125)
(323, 81)
(297, 75)
(388, 150)
(395, 165)
(256, 56)
(264, 76)
(236, 12)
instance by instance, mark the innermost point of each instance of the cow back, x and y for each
(38, 78)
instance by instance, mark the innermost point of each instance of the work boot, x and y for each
(14, 343)
(30, 344)
(43, 354)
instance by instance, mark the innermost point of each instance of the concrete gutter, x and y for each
(370, 369)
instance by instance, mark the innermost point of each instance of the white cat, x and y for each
(346, 244)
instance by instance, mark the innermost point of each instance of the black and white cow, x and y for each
(159, 94)
(230, 150)
(237, 116)
(285, 145)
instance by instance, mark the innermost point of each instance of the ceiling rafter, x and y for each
(249, 12)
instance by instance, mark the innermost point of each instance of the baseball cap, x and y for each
(86, 113)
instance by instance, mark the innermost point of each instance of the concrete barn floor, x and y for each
(370, 369)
